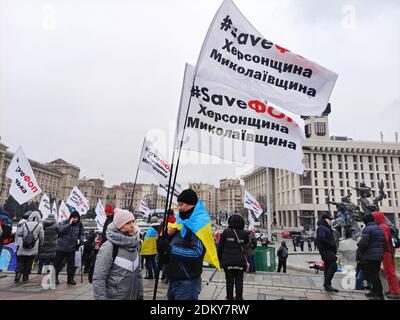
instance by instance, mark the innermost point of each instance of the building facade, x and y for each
(230, 196)
(333, 165)
(207, 194)
(56, 178)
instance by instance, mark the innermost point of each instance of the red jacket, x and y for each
(380, 220)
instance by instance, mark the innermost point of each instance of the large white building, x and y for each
(332, 166)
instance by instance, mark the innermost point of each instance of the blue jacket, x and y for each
(326, 241)
(371, 243)
(186, 257)
(69, 236)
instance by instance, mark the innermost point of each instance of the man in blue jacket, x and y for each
(184, 255)
(70, 237)
(327, 249)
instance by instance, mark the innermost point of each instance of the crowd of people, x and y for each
(115, 256)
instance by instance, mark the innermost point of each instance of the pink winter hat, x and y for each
(122, 217)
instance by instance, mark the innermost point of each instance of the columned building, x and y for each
(333, 165)
(230, 196)
(207, 194)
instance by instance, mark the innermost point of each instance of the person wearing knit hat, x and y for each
(118, 261)
(183, 257)
(70, 238)
(110, 216)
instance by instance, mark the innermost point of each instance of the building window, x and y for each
(308, 130)
(320, 129)
(325, 174)
(306, 195)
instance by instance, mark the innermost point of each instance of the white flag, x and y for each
(78, 201)
(100, 209)
(23, 185)
(163, 188)
(54, 210)
(227, 124)
(236, 54)
(251, 203)
(251, 220)
(144, 209)
(63, 212)
(152, 161)
(44, 206)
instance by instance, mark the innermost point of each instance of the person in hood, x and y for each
(371, 250)
(47, 252)
(232, 256)
(327, 249)
(109, 211)
(389, 266)
(71, 236)
(184, 255)
(283, 253)
(30, 231)
(117, 273)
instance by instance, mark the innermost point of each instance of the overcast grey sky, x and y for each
(86, 80)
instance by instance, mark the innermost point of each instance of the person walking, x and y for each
(327, 249)
(31, 237)
(309, 243)
(232, 255)
(283, 253)
(294, 242)
(183, 256)
(389, 266)
(149, 248)
(71, 237)
(371, 248)
(117, 274)
(47, 252)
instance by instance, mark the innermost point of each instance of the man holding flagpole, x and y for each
(184, 254)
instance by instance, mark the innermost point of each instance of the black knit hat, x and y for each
(188, 196)
(74, 214)
(368, 218)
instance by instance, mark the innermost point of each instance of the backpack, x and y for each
(91, 270)
(284, 253)
(29, 240)
(394, 236)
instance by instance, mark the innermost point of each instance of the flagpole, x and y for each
(134, 184)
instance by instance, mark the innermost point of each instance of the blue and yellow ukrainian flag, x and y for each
(200, 224)
(149, 246)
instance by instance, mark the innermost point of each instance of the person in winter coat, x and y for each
(6, 227)
(117, 273)
(109, 211)
(327, 249)
(389, 266)
(31, 229)
(183, 255)
(283, 253)
(47, 252)
(371, 248)
(232, 257)
(250, 251)
(71, 237)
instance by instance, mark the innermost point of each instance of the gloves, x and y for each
(163, 246)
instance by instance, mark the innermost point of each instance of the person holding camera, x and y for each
(71, 237)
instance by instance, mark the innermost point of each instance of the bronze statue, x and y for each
(365, 192)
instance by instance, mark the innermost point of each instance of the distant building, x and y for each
(230, 196)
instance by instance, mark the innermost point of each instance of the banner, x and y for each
(54, 210)
(23, 182)
(234, 126)
(100, 216)
(152, 161)
(252, 204)
(236, 54)
(44, 206)
(144, 209)
(78, 201)
(63, 212)
(163, 188)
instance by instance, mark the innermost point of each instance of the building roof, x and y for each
(36, 164)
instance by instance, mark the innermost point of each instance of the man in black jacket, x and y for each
(184, 255)
(327, 249)
(371, 247)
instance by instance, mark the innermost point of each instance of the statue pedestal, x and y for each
(347, 250)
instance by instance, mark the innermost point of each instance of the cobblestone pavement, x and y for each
(293, 285)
